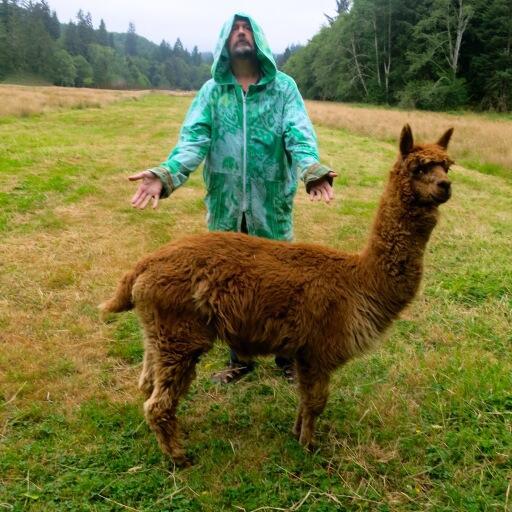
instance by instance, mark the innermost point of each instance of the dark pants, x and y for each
(281, 362)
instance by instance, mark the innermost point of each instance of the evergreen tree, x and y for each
(130, 46)
(195, 58)
(102, 34)
(71, 40)
(164, 51)
(85, 32)
(83, 56)
(36, 42)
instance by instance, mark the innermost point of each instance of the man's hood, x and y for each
(221, 69)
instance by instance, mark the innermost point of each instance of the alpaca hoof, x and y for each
(308, 447)
(181, 462)
(307, 443)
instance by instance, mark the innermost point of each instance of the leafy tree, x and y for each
(63, 69)
(102, 62)
(84, 72)
(135, 78)
(438, 37)
(490, 55)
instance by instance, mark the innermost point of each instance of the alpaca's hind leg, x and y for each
(172, 379)
(173, 366)
(297, 427)
(314, 389)
(146, 378)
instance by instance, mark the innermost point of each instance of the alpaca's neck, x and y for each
(393, 258)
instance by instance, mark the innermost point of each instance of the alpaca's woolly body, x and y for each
(314, 304)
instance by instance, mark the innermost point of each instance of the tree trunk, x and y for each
(462, 17)
(358, 67)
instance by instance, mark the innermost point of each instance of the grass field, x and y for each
(423, 423)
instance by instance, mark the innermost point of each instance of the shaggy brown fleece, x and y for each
(314, 304)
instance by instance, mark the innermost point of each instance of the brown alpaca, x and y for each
(314, 304)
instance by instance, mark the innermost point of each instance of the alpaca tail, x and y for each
(122, 300)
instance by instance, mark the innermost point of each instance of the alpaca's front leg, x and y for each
(314, 390)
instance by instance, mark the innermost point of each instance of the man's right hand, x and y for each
(149, 189)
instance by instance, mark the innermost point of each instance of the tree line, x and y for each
(34, 42)
(428, 54)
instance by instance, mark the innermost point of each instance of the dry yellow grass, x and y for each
(22, 100)
(476, 137)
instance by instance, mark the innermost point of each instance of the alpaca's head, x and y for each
(422, 170)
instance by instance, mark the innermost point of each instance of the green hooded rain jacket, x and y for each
(256, 145)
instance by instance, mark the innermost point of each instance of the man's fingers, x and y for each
(136, 196)
(142, 195)
(136, 203)
(138, 176)
(145, 201)
(333, 174)
(322, 191)
(155, 201)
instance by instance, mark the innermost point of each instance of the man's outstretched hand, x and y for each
(322, 189)
(149, 189)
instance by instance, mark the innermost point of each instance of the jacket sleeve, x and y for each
(300, 140)
(192, 147)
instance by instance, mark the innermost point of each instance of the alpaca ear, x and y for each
(445, 139)
(406, 140)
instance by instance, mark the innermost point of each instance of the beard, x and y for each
(242, 50)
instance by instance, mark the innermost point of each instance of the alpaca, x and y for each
(314, 304)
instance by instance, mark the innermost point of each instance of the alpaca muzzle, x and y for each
(444, 191)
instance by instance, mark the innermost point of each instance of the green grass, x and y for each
(423, 423)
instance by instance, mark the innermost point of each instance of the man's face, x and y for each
(241, 40)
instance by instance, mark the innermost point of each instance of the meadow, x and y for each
(422, 423)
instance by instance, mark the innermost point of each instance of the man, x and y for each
(250, 124)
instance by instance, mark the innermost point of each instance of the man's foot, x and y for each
(288, 372)
(287, 367)
(234, 372)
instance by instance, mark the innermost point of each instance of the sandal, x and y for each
(234, 372)
(288, 372)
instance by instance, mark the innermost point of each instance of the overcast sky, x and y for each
(198, 22)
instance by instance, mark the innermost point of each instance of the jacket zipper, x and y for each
(244, 162)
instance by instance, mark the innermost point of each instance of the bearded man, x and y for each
(250, 125)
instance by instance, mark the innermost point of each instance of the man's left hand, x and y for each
(322, 189)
